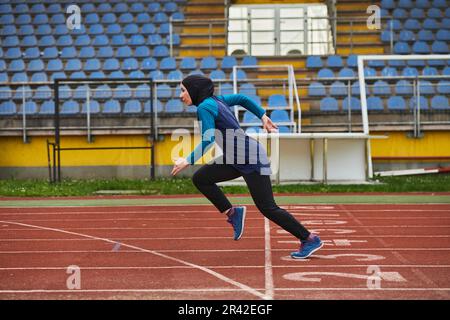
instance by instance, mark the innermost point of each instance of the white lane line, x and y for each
(156, 253)
(235, 267)
(221, 250)
(268, 261)
(212, 290)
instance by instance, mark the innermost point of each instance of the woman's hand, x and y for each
(268, 124)
(180, 164)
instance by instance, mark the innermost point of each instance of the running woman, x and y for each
(246, 158)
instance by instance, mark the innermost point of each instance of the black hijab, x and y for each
(199, 88)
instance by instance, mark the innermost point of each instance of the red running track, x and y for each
(169, 252)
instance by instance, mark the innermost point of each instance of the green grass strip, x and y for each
(281, 200)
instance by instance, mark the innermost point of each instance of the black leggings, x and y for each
(260, 187)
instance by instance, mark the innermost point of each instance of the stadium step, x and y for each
(201, 51)
(347, 38)
(365, 49)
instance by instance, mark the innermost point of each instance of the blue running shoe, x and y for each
(237, 218)
(308, 247)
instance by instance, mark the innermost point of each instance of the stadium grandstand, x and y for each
(105, 75)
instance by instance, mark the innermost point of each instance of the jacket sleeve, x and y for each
(246, 102)
(206, 119)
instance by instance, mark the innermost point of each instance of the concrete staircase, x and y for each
(356, 38)
(201, 39)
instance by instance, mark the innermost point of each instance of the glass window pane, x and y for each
(291, 36)
(263, 37)
(237, 37)
(263, 49)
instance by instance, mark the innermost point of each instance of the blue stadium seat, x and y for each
(402, 48)
(250, 117)
(5, 93)
(404, 87)
(407, 4)
(381, 88)
(78, 74)
(388, 4)
(217, 75)
(407, 36)
(425, 35)
(82, 40)
(446, 71)
(353, 102)
(170, 7)
(130, 64)
(425, 4)
(416, 63)
(389, 72)
(31, 53)
(111, 106)
(399, 13)
(240, 74)
(325, 73)
(410, 72)
(376, 63)
(394, 24)
(30, 107)
(73, 65)
(417, 13)
(11, 41)
(7, 108)
(113, 29)
(338, 88)
(118, 40)
(164, 29)
(374, 103)
(188, 63)
(277, 100)
(137, 7)
(48, 107)
(334, 61)
(160, 17)
(423, 103)
(62, 41)
(208, 63)
(100, 41)
(247, 89)
(92, 65)
(122, 91)
(136, 40)
(130, 29)
(35, 66)
(2, 65)
(111, 64)
(142, 91)
(443, 87)
(346, 73)
(132, 106)
(7, 19)
(3, 77)
(137, 74)
(157, 106)
(68, 53)
(225, 88)
(154, 7)
(249, 61)
(396, 103)
(23, 92)
(96, 29)
(278, 116)
(16, 66)
(102, 92)
(154, 40)
(174, 105)
(431, 24)
(168, 63)
(160, 51)
(44, 30)
(443, 35)
(370, 72)
(70, 107)
(29, 41)
(87, 52)
(125, 18)
(316, 89)
(104, 7)
(314, 62)
(175, 75)
(426, 87)
(149, 64)
(439, 102)
(94, 107)
(92, 18)
(142, 52)
(440, 4)
(421, 47)
(329, 104)
(19, 77)
(163, 91)
(228, 62)
(430, 71)
(23, 19)
(386, 36)
(143, 18)
(58, 75)
(177, 16)
(434, 13)
(13, 53)
(148, 28)
(80, 92)
(439, 47)
(156, 75)
(124, 52)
